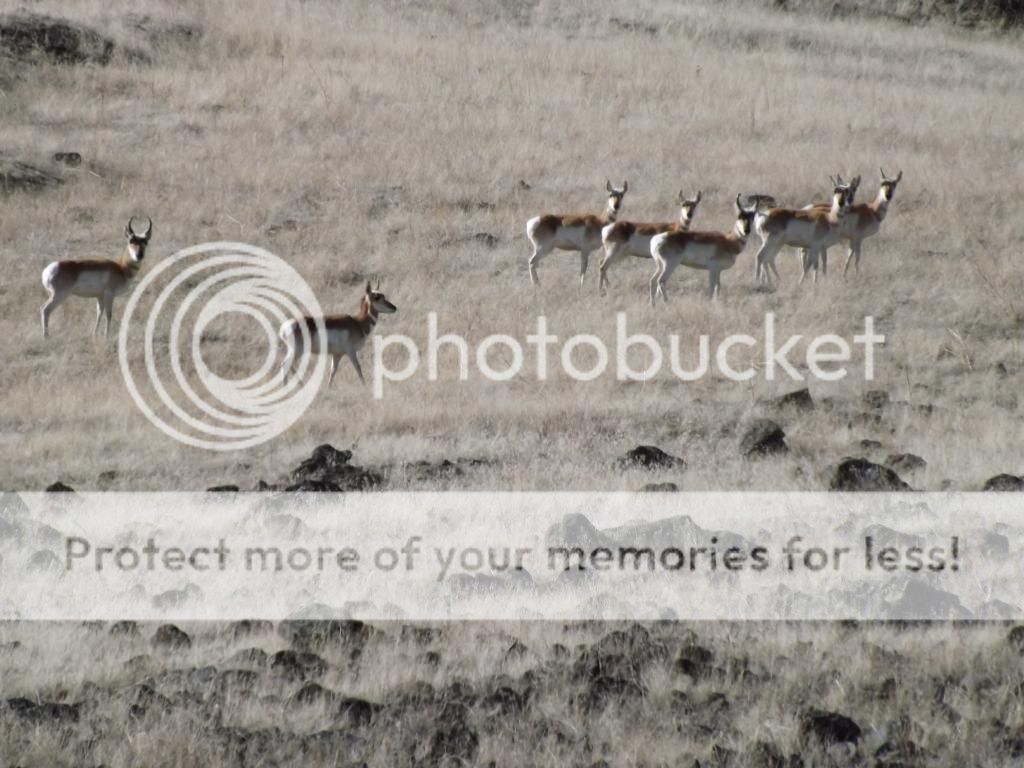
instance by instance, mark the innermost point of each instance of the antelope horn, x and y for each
(149, 229)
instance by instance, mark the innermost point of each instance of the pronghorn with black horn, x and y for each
(711, 251)
(572, 232)
(851, 195)
(622, 238)
(101, 279)
(811, 229)
(864, 219)
(346, 334)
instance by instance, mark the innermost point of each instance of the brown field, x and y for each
(367, 139)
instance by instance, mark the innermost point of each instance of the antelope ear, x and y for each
(608, 185)
(899, 176)
(369, 288)
(739, 207)
(697, 199)
(625, 187)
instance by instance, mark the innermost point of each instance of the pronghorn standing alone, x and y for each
(864, 219)
(346, 334)
(101, 279)
(810, 229)
(623, 238)
(713, 251)
(572, 232)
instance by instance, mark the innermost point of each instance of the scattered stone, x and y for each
(313, 694)
(516, 651)
(30, 37)
(453, 741)
(223, 489)
(694, 660)
(240, 680)
(649, 457)
(126, 628)
(870, 445)
(355, 712)
(660, 488)
(253, 657)
(70, 159)
(876, 399)
(41, 713)
(296, 665)
(316, 635)
(799, 400)
(1016, 639)
(169, 636)
(905, 462)
(59, 487)
(421, 636)
(763, 437)
(328, 470)
(828, 727)
(246, 628)
(863, 475)
(504, 702)
(1004, 483)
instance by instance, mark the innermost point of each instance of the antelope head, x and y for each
(137, 242)
(615, 196)
(745, 215)
(378, 301)
(688, 207)
(888, 186)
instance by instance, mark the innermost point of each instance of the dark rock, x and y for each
(763, 437)
(799, 400)
(905, 462)
(863, 475)
(296, 665)
(504, 702)
(828, 727)
(41, 713)
(649, 457)
(237, 680)
(430, 659)
(223, 489)
(606, 689)
(70, 159)
(313, 694)
(328, 470)
(29, 37)
(421, 636)
(876, 399)
(870, 445)
(694, 660)
(516, 651)
(454, 741)
(126, 628)
(169, 636)
(1016, 639)
(318, 634)
(250, 628)
(254, 657)
(1004, 483)
(660, 488)
(59, 487)
(355, 712)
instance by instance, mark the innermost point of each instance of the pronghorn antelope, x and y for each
(851, 195)
(100, 279)
(864, 219)
(622, 238)
(573, 232)
(346, 334)
(713, 251)
(810, 229)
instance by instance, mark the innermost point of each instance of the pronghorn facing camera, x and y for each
(572, 232)
(101, 279)
(711, 251)
(851, 195)
(864, 219)
(346, 334)
(622, 238)
(812, 229)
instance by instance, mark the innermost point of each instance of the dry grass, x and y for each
(377, 130)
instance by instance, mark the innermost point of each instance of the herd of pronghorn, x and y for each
(812, 230)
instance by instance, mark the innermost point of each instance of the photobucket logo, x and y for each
(193, 289)
(824, 356)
